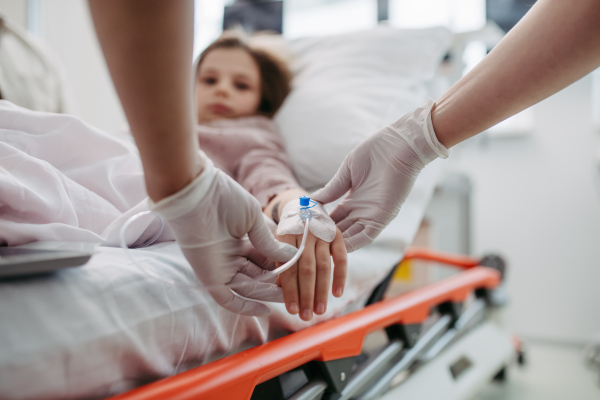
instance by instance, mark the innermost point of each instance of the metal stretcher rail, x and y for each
(236, 376)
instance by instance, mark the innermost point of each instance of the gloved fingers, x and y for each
(234, 303)
(255, 257)
(357, 241)
(336, 187)
(289, 281)
(346, 223)
(254, 271)
(270, 224)
(372, 232)
(264, 241)
(323, 276)
(340, 262)
(307, 276)
(354, 229)
(339, 213)
(256, 290)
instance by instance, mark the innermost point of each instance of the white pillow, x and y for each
(348, 86)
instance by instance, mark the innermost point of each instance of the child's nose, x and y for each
(222, 90)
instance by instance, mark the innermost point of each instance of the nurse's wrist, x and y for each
(164, 183)
(440, 120)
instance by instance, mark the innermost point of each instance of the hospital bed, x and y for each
(107, 327)
(438, 347)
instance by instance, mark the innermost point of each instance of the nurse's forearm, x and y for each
(554, 45)
(148, 48)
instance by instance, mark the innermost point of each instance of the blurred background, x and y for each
(528, 189)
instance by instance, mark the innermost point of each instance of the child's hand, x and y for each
(306, 284)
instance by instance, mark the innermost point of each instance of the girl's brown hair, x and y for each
(275, 77)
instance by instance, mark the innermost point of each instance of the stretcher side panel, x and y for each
(235, 377)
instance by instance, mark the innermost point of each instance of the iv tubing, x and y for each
(150, 272)
(288, 264)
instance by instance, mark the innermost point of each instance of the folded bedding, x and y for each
(62, 179)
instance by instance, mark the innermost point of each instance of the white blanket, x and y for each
(62, 179)
(107, 327)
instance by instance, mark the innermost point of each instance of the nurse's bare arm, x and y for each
(554, 45)
(148, 48)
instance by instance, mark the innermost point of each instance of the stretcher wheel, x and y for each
(494, 261)
(519, 350)
(500, 377)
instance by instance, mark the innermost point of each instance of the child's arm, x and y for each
(306, 284)
(267, 174)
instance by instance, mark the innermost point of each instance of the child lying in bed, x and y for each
(238, 90)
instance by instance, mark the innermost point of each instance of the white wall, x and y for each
(535, 201)
(67, 29)
(69, 32)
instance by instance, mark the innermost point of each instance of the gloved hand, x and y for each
(210, 218)
(379, 173)
(321, 225)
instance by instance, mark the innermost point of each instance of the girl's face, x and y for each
(228, 85)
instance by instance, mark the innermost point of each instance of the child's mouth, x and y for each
(218, 108)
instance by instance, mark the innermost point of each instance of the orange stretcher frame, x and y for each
(236, 376)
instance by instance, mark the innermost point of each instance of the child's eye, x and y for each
(242, 86)
(209, 81)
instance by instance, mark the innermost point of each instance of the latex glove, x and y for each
(210, 218)
(379, 174)
(321, 225)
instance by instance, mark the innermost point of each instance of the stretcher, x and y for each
(439, 345)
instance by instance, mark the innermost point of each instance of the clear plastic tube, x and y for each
(288, 264)
(147, 270)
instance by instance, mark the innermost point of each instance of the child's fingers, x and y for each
(323, 264)
(307, 277)
(289, 280)
(340, 262)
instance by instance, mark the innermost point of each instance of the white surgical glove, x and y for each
(321, 225)
(379, 174)
(210, 219)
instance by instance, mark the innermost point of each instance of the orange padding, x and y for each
(422, 253)
(235, 377)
